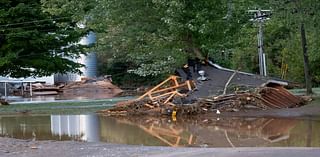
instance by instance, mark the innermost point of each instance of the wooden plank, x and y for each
(170, 97)
(162, 95)
(170, 88)
(156, 87)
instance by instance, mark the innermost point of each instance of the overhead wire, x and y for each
(35, 21)
(5, 27)
(39, 23)
(25, 31)
(17, 33)
(45, 53)
(24, 27)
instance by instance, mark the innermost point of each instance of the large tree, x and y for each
(153, 37)
(288, 48)
(36, 42)
(301, 18)
(157, 36)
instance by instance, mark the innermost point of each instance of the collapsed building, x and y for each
(207, 88)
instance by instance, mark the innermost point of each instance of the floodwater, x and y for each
(43, 99)
(152, 131)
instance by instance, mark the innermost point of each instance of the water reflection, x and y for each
(78, 127)
(228, 132)
(217, 132)
(55, 127)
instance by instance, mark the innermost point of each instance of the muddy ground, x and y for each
(23, 148)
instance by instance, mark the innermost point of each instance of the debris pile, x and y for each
(186, 96)
(259, 99)
(91, 88)
(43, 89)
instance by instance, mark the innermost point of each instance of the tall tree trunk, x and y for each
(192, 48)
(305, 60)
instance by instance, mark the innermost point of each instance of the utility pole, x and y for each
(260, 16)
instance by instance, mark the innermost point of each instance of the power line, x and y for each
(46, 53)
(34, 26)
(46, 30)
(28, 22)
(26, 31)
(260, 16)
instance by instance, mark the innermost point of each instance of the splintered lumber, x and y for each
(261, 99)
(164, 99)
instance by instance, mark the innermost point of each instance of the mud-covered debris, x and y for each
(174, 97)
(260, 99)
(91, 88)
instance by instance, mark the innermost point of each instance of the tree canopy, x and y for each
(35, 42)
(155, 37)
(151, 38)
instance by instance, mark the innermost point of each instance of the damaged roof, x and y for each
(217, 78)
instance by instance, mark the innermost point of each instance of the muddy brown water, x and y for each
(152, 131)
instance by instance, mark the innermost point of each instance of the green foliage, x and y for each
(282, 40)
(34, 42)
(154, 37)
(158, 36)
(132, 32)
(291, 14)
(120, 76)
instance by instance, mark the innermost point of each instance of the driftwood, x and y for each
(228, 82)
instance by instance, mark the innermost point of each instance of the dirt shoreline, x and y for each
(16, 148)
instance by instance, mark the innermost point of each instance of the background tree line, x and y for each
(157, 36)
(149, 39)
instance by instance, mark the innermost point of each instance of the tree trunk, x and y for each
(192, 48)
(305, 60)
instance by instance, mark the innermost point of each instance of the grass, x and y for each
(316, 91)
(68, 107)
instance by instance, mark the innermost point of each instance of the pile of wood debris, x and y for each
(262, 98)
(43, 89)
(91, 88)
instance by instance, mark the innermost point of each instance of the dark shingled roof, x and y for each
(219, 76)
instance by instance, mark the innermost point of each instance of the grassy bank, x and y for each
(61, 107)
(316, 91)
